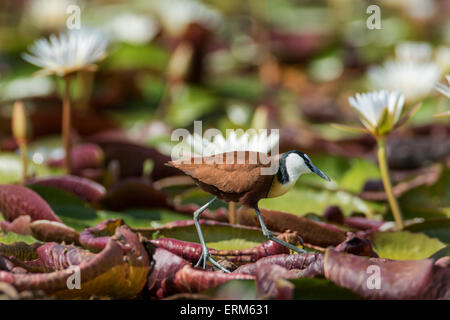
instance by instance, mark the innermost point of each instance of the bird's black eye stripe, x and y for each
(308, 163)
(282, 175)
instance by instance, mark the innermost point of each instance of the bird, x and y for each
(245, 177)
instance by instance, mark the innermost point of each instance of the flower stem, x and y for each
(66, 124)
(387, 182)
(23, 153)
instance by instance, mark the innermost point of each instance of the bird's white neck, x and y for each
(295, 167)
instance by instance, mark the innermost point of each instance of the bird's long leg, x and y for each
(205, 252)
(270, 235)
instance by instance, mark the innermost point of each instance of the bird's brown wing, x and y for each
(236, 177)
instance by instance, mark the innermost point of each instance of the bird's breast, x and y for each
(277, 188)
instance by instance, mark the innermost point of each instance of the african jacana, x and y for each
(237, 176)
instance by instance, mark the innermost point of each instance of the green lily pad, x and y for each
(405, 245)
(238, 87)
(219, 236)
(234, 289)
(361, 170)
(233, 244)
(311, 288)
(435, 228)
(189, 104)
(137, 56)
(300, 201)
(77, 214)
(428, 201)
(10, 237)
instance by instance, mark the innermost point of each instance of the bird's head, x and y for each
(295, 163)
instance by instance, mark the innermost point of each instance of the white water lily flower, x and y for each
(257, 142)
(133, 28)
(72, 51)
(418, 9)
(373, 106)
(414, 79)
(413, 51)
(176, 15)
(444, 88)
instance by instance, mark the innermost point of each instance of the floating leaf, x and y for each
(405, 245)
(361, 170)
(306, 200)
(320, 289)
(435, 228)
(213, 232)
(86, 189)
(10, 238)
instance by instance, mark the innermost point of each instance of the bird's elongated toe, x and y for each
(286, 244)
(207, 257)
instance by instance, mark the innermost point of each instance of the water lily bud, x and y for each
(19, 122)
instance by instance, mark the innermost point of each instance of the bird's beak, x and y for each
(320, 173)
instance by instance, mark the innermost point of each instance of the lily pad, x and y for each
(10, 237)
(361, 170)
(233, 244)
(220, 236)
(435, 228)
(138, 56)
(306, 200)
(312, 289)
(77, 214)
(405, 245)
